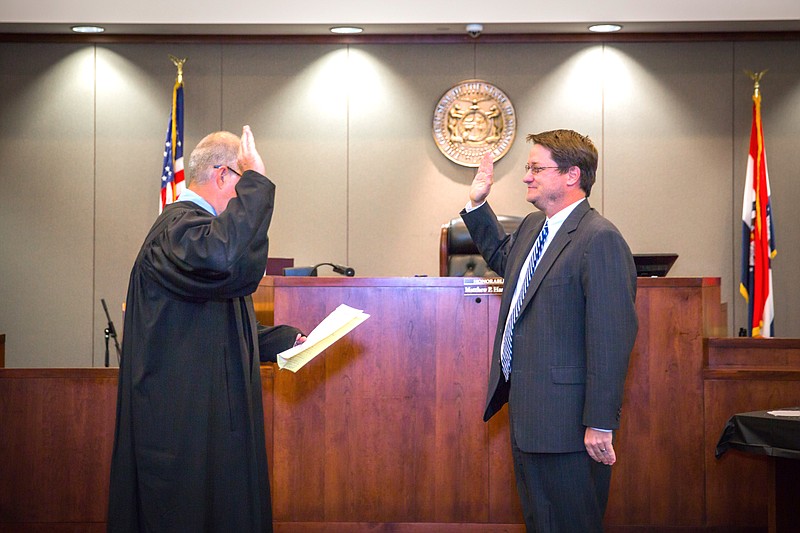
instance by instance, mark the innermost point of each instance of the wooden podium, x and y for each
(386, 426)
(658, 482)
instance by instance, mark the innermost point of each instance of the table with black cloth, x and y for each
(778, 437)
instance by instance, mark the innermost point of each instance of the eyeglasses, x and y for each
(229, 168)
(536, 170)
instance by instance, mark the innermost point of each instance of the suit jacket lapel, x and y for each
(561, 239)
(519, 260)
(515, 270)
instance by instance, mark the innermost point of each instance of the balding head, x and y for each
(218, 148)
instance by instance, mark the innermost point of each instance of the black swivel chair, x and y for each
(458, 255)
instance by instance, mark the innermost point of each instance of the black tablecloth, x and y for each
(762, 433)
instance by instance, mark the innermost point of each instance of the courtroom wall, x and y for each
(346, 134)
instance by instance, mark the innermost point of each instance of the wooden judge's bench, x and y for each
(384, 430)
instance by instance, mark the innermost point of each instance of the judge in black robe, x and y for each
(189, 446)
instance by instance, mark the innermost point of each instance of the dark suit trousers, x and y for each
(561, 492)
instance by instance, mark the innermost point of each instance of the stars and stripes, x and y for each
(172, 171)
(758, 237)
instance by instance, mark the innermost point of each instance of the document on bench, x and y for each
(333, 327)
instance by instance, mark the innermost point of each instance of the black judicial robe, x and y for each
(189, 447)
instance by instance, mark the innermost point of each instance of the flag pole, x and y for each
(178, 83)
(755, 76)
(172, 177)
(179, 65)
(758, 238)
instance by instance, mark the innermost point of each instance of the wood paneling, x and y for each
(658, 478)
(386, 425)
(57, 431)
(391, 405)
(744, 375)
(384, 431)
(57, 428)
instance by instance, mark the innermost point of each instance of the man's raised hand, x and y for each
(482, 183)
(249, 158)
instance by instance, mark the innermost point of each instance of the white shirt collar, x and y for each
(561, 216)
(189, 195)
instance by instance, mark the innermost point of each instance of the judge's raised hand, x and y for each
(482, 183)
(249, 158)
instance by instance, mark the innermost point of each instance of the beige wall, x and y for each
(346, 132)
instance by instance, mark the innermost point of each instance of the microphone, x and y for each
(344, 270)
(339, 269)
(312, 271)
(110, 333)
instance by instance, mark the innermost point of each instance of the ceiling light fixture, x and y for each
(88, 29)
(605, 28)
(346, 29)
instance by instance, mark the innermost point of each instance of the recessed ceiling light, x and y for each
(88, 29)
(346, 29)
(605, 28)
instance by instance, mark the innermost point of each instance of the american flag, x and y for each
(758, 237)
(172, 172)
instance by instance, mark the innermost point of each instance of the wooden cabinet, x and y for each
(743, 375)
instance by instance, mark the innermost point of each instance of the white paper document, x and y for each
(785, 412)
(333, 327)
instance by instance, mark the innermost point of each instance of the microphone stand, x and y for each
(110, 332)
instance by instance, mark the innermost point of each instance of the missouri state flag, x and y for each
(758, 237)
(172, 170)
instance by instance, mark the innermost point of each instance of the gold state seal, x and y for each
(471, 119)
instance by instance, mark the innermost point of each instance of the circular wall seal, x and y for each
(471, 119)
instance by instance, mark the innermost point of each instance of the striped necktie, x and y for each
(516, 307)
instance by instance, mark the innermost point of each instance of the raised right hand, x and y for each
(249, 158)
(482, 184)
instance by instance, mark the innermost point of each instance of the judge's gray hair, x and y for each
(218, 148)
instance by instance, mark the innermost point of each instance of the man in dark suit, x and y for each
(565, 332)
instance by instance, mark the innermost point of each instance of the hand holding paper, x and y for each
(336, 325)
